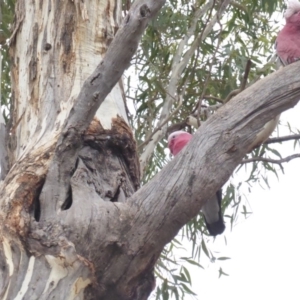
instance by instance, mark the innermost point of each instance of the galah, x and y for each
(212, 208)
(288, 51)
(288, 40)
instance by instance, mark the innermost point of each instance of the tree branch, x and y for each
(3, 153)
(273, 161)
(178, 67)
(177, 193)
(94, 91)
(213, 98)
(192, 119)
(243, 83)
(238, 5)
(161, 125)
(197, 111)
(136, 230)
(282, 139)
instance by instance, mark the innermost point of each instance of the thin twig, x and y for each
(177, 126)
(243, 84)
(161, 125)
(199, 103)
(273, 161)
(238, 6)
(213, 98)
(178, 65)
(283, 139)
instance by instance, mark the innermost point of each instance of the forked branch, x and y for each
(94, 91)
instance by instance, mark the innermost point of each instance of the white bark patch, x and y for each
(3, 153)
(9, 261)
(27, 279)
(1, 117)
(57, 58)
(6, 292)
(8, 255)
(81, 9)
(111, 107)
(58, 272)
(78, 286)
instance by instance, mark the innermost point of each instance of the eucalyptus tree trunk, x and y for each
(72, 225)
(60, 229)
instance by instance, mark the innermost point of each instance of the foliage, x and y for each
(205, 65)
(246, 30)
(6, 17)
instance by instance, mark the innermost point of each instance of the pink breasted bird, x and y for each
(288, 40)
(212, 208)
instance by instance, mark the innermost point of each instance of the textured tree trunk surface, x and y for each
(56, 249)
(72, 225)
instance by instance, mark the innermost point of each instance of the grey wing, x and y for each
(213, 215)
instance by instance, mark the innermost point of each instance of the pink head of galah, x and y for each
(288, 40)
(292, 13)
(177, 140)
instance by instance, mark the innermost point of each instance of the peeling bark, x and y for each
(3, 135)
(63, 206)
(73, 225)
(3, 152)
(56, 46)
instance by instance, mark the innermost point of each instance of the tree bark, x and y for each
(3, 153)
(71, 163)
(3, 133)
(73, 225)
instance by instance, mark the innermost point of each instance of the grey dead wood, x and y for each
(282, 139)
(97, 182)
(88, 214)
(114, 218)
(177, 193)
